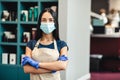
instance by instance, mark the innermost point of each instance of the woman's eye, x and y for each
(51, 20)
(47, 20)
(43, 20)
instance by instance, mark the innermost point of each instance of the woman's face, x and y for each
(47, 17)
(47, 23)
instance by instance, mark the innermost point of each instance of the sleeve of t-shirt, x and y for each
(31, 44)
(63, 44)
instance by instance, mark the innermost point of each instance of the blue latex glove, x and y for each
(63, 58)
(30, 61)
(24, 61)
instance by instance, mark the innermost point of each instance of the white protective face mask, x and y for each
(47, 27)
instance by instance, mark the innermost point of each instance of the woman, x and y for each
(46, 55)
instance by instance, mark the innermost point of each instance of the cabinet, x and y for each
(16, 24)
(107, 45)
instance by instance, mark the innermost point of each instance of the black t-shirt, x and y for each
(60, 45)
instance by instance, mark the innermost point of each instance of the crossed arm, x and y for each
(46, 67)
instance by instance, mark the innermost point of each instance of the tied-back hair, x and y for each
(55, 17)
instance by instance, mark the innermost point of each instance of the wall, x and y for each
(74, 19)
(114, 4)
(96, 5)
(106, 4)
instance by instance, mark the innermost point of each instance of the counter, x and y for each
(105, 44)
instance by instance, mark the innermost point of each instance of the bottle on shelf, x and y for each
(35, 13)
(10, 17)
(12, 38)
(8, 36)
(5, 15)
(25, 38)
(4, 38)
(4, 58)
(23, 17)
(33, 33)
(30, 14)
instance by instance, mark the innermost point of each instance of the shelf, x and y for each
(23, 44)
(9, 22)
(9, 0)
(29, 22)
(14, 27)
(28, 0)
(115, 35)
(8, 43)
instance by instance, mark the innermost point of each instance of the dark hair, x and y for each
(55, 32)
